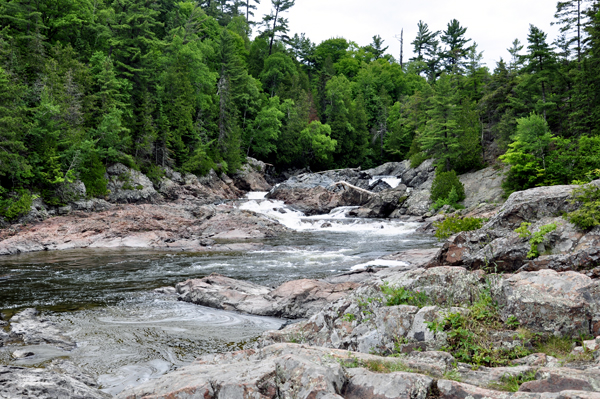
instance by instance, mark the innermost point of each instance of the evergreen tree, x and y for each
(275, 24)
(456, 46)
(541, 65)
(570, 15)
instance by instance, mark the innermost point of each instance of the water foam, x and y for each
(393, 181)
(335, 221)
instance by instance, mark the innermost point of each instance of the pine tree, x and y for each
(541, 65)
(456, 46)
(275, 24)
(571, 17)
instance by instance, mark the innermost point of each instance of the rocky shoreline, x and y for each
(471, 319)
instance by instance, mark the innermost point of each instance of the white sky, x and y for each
(492, 24)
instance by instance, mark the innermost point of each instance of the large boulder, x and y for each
(497, 247)
(315, 194)
(483, 186)
(396, 169)
(382, 204)
(126, 185)
(550, 302)
(293, 300)
(251, 176)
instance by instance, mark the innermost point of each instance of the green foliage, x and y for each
(470, 335)
(444, 183)
(527, 154)
(588, 215)
(535, 239)
(395, 296)
(455, 224)
(15, 204)
(512, 383)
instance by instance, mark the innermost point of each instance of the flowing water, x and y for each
(127, 334)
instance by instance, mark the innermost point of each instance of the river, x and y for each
(127, 334)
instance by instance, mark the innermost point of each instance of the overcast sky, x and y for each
(492, 24)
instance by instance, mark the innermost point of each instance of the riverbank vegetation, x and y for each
(200, 85)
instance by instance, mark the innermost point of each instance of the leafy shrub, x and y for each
(588, 215)
(11, 209)
(443, 184)
(395, 296)
(471, 335)
(455, 224)
(536, 238)
(91, 173)
(417, 159)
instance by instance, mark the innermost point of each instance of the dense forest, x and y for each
(199, 85)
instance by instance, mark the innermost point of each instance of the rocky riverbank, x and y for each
(473, 319)
(443, 326)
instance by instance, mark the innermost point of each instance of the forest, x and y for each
(200, 85)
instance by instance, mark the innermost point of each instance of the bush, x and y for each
(11, 209)
(455, 224)
(588, 215)
(536, 238)
(443, 184)
(395, 296)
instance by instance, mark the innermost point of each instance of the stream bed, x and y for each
(127, 334)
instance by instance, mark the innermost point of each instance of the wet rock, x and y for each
(547, 301)
(127, 185)
(326, 225)
(379, 186)
(382, 204)
(32, 329)
(22, 354)
(166, 290)
(364, 384)
(31, 383)
(315, 194)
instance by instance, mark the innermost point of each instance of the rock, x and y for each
(550, 302)
(32, 329)
(179, 226)
(316, 194)
(127, 185)
(294, 299)
(22, 354)
(326, 225)
(419, 200)
(389, 169)
(458, 390)
(414, 257)
(64, 210)
(251, 176)
(444, 285)
(379, 186)
(31, 383)
(364, 384)
(287, 371)
(66, 367)
(556, 383)
(483, 186)
(532, 204)
(166, 290)
(382, 204)
(92, 205)
(71, 192)
(537, 360)
(420, 175)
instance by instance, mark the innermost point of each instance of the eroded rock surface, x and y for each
(29, 327)
(32, 383)
(294, 299)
